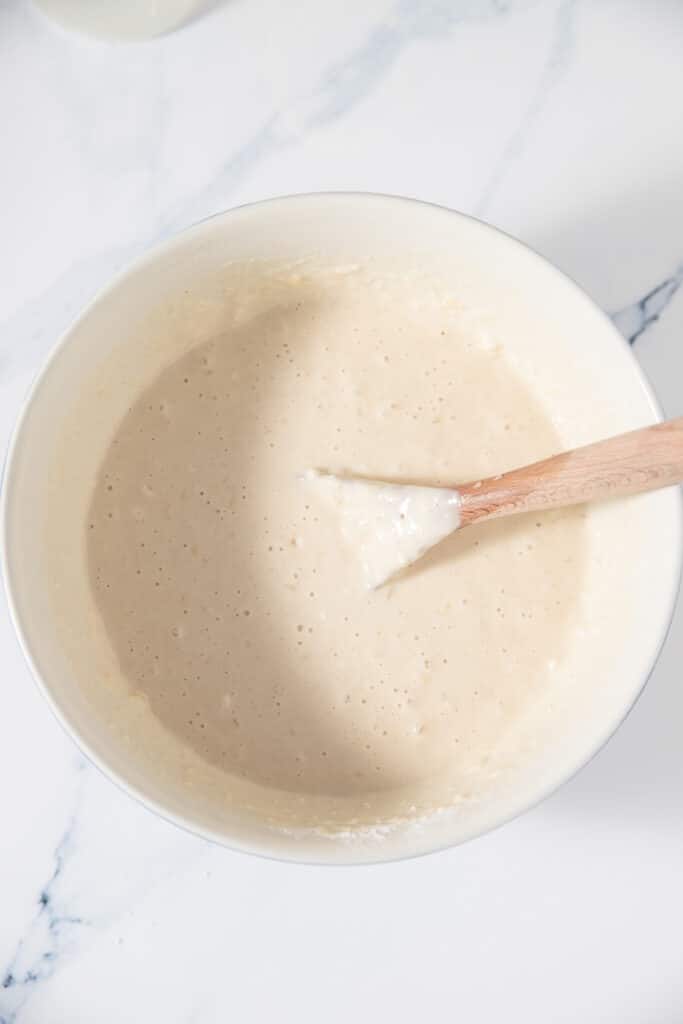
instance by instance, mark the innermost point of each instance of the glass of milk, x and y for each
(121, 19)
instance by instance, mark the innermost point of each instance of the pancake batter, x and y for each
(234, 606)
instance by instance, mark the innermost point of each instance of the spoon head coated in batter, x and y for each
(389, 526)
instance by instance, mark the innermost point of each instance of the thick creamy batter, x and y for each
(237, 611)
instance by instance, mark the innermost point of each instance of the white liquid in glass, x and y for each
(121, 19)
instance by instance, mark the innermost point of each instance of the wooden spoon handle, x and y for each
(642, 460)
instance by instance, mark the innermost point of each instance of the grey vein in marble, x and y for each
(554, 69)
(39, 951)
(639, 316)
(341, 88)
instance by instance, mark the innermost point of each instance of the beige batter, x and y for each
(236, 607)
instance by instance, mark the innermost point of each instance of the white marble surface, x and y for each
(559, 121)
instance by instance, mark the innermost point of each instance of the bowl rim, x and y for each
(258, 847)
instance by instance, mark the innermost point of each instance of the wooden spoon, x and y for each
(392, 525)
(642, 460)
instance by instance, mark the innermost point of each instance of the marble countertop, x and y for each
(561, 123)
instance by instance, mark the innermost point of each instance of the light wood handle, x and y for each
(642, 460)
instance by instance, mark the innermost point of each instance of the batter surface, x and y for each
(228, 594)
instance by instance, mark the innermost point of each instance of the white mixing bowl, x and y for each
(174, 291)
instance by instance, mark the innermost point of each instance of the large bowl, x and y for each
(173, 291)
